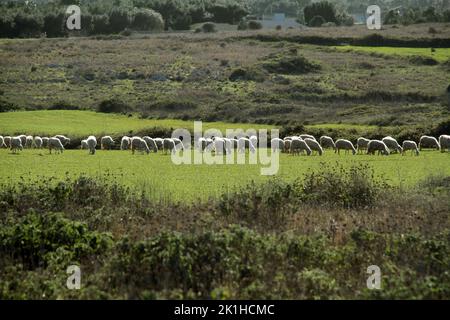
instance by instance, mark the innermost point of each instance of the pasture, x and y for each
(156, 175)
(439, 54)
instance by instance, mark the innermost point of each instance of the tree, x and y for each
(119, 19)
(147, 19)
(324, 9)
(54, 25)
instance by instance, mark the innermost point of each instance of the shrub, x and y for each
(119, 19)
(254, 25)
(242, 25)
(323, 9)
(423, 61)
(147, 19)
(316, 21)
(100, 24)
(291, 65)
(182, 22)
(209, 27)
(113, 105)
(247, 74)
(6, 26)
(26, 25)
(54, 25)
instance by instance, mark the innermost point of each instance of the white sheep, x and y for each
(342, 144)
(392, 144)
(55, 143)
(151, 144)
(38, 142)
(168, 145)
(287, 145)
(254, 140)
(137, 143)
(299, 145)
(428, 142)
(377, 145)
(159, 143)
(16, 144)
(219, 146)
(178, 144)
(84, 145)
(23, 139)
(7, 141)
(245, 143)
(307, 136)
(29, 142)
(327, 142)
(106, 143)
(2, 142)
(125, 143)
(277, 144)
(314, 145)
(444, 141)
(410, 145)
(45, 142)
(64, 140)
(92, 143)
(361, 144)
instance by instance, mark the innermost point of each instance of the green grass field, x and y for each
(156, 174)
(440, 54)
(82, 123)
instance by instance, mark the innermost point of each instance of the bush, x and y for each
(316, 21)
(209, 27)
(54, 25)
(100, 24)
(323, 9)
(254, 25)
(291, 65)
(423, 61)
(119, 19)
(6, 26)
(247, 74)
(242, 25)
(147, 19)
(113, 105)
(182, 22)
(26, 25)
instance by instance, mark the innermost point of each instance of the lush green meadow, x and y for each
(440, 54)
(161, 178)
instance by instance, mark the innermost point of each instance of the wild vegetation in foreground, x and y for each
(312, 238)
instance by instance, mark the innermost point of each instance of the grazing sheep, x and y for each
(428, 142)
(444, 141)
(277, 144)
(287, 145)
(16, 144)
(245, 143)
(23, 140)
(203, 143)
(106, 143)
(229, 145)
(7, 141)
(84, 145)
(410, 145)
(159, 143)
(55, 143)
(392, 144)
(362, 144)
(2, 142)
(219, 146)
(137, 143)
(298, 145)
(178, 144)
(377, 145)
(64, 140)
(29, 142)
(45, 142)
(92, 143)
(38, 142)
(254, 140)
(151, 144)
(125, 143)
(342, 144)
(327, 142)
(169, 145)
(314, 145)
(307, 136)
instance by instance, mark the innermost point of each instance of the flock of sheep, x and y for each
(294, 145)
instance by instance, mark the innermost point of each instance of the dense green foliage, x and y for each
(272, 241)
